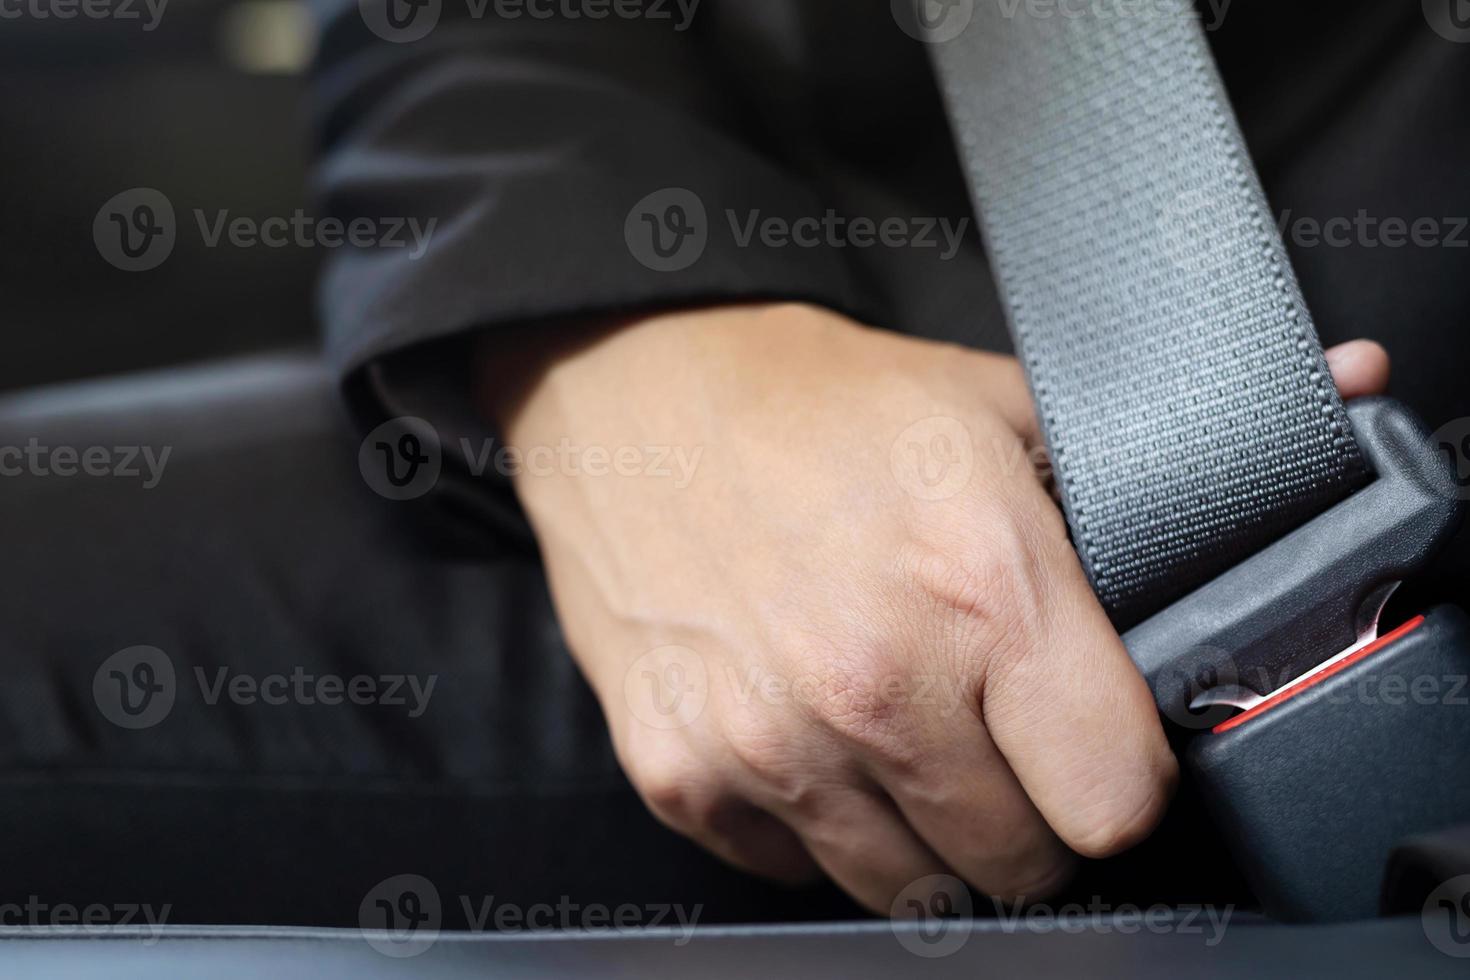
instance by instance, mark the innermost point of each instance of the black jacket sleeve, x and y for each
(529, 144)
(536, 157)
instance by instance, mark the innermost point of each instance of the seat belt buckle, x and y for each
(1314, 595)
(1315, 787)
(1320, 745)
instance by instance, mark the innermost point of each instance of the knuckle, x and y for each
(859, 707)
(792, 776)
(763, 749)
(841, 845)
(675, 786)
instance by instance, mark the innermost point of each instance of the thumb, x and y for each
(1360, 367)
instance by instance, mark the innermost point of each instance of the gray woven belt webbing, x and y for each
(1180, 383)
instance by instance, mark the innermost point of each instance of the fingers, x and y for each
(923, 792)
(1102, 780)
(966, 804)
(889, 776)
(863, 844)
(760, 823)
(750, 838)
(1066, 706)
(679, 791)
(1360, 367)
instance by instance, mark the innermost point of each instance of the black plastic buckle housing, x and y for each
(1314, 789)
(1329, 769)
(1316, 592)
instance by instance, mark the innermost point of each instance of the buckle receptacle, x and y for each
(1316, 592)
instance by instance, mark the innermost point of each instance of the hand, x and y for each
(848, 630)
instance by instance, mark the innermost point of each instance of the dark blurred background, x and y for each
(206, 108)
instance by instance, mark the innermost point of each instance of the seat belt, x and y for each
(1183, 393)
(1177, 373)
(1232, 514)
